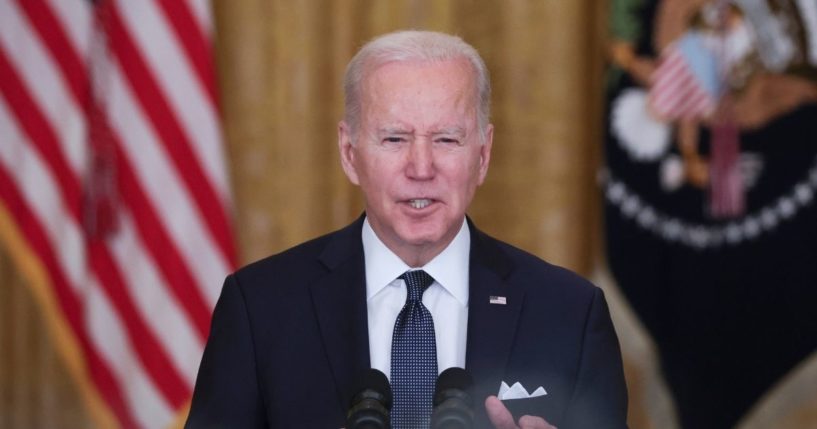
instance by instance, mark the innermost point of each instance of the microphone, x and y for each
(371, 402)
(453, 400)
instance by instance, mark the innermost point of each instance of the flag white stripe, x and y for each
(670, 74)
(158, 177)
(672, 95)
(109, 338)
(76, 19)
(156, 306)
(666, 100)
(675, 92)
(174, 74)
(177, 337)
(38, 188)
(201, 12)
(669, 87)
(46, 85)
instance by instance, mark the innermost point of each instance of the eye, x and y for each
(448, 141)
(394, 139)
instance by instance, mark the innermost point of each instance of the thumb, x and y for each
(499, 415)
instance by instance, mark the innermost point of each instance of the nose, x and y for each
(420, 160)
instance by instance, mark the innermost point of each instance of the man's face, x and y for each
(418, 157)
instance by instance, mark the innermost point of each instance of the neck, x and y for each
(418, 257)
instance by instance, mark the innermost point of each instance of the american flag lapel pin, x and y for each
(500, 300)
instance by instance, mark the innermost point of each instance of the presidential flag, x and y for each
(720, 271)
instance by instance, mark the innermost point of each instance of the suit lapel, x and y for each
(491, 326)
(339, 299)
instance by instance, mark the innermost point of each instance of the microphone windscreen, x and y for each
(374, 380)
(452, 378)
(453, 401)
(371, 401)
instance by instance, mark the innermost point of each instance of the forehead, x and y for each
(420, 88)
(458, 65)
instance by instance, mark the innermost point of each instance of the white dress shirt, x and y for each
(446, 298)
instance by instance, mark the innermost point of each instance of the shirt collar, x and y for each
(449, 268)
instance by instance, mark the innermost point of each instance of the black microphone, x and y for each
(453, 400)
(371, 402)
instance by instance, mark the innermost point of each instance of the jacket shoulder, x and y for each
(304, 261)
(534, 272)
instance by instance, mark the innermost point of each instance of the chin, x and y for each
(421, 235)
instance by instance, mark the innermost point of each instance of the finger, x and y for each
(531, 422)
(499, 415)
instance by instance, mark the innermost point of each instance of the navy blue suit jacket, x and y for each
(289, 334)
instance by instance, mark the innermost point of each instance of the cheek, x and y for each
(375, 181)
(465, 185)
(366, 168)
(475, 173)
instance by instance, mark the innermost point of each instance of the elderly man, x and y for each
(412, 287)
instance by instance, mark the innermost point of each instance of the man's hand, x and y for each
(502, 418)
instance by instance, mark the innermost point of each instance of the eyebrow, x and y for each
(394, 130)
(455, 130)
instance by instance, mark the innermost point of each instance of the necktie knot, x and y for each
(417, 282)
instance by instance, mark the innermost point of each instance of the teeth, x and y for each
(420, 203)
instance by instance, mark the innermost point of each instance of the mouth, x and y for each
(420, 203)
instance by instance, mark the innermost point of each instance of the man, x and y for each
(291, 332)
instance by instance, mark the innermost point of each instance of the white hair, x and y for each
(407, 46)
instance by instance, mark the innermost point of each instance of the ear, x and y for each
(485, 153)
(347, 152)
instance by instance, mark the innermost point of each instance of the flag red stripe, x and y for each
(50, 137)
(149, 351)
(172, 136)
(672, 82)
(39, 130)
(696, 103)
(107, 384)
(676, 92)
(161, 247)
(671, 99)
(71, 306)
(667, 72)
(54, 37)
(194, 42)
(152, 355)
(671, 79)
(159, 244)
(36, 237)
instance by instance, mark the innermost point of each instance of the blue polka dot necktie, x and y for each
(413, 357)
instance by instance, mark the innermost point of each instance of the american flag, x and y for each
(114, 198)
(686, 82)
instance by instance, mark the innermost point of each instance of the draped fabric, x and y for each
(114, 201)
